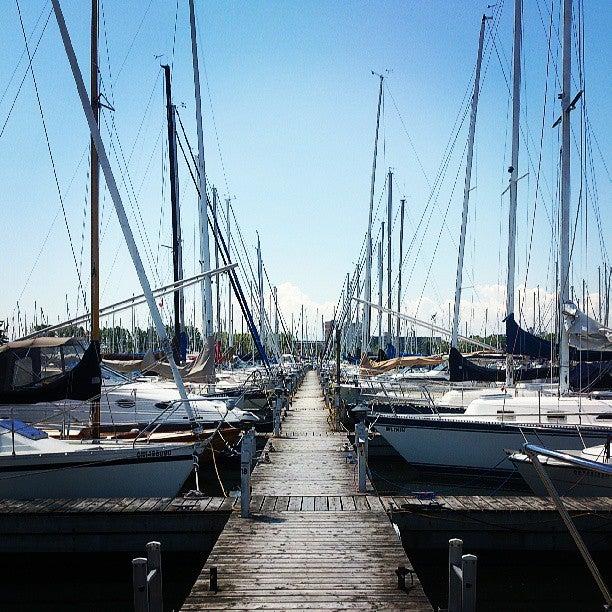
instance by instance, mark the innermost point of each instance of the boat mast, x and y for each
(120, 209)
(207, 317)
(367, 291)
(380, 284)
(513, 169)
(215, 203)
(389, 222)
(260, 286)
(467, 186)
(565, 197)
(230, 313)
(177, 266)
(94, 190)
(399, 274)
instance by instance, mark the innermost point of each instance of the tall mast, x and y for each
(467, 186)
(94, 190)
(215, 203)
(399, 274)
(565, 196)
(367, 291)
(230, 314)
(389, 222)
(513, 169)
(260, 286)
(380, 285)
(177, 267)
(207, 316)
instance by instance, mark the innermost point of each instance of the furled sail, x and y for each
(48, 369)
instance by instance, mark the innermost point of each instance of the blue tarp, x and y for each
(23, 429)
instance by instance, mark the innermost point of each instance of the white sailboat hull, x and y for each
(448, 444)
(158, 471)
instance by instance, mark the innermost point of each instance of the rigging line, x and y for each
(412, 146)
(42, 116)
(25, 74)
(214, 122)
(174, 35)
(133, 40)
(432, 198)
(123, 171)
(44, 242)
(144, 116)
(9, 82)
(441, 229)
(442, 174)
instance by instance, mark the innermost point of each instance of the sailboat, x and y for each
(503, 418)
(33, 465)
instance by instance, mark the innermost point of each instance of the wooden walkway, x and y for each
(312, 543)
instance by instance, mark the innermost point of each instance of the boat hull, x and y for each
(453, 445)
(132, 472)
(567, 480)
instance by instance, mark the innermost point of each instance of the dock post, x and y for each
(278, 404)
(213, 583)
(156, 599)
(361, 442)
(246, 452)
(139, 579)
(455, 550)
(468, 575)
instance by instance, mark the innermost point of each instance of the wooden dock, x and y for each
(312, 543)
(112, 525)
(515, 522)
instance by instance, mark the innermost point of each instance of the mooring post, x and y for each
(154, 577)
(139, 580)
(468, 591)
(278, 404)
(245, 474)
(213, 584)
(361, 442)
(455, 550)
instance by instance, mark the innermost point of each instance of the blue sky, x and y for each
(294, 105)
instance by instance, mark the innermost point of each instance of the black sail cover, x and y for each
(462, 369)
(521, 342)
(48, 370)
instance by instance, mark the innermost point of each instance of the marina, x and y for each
(305, 308)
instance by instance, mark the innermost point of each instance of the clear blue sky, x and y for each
(294, 106)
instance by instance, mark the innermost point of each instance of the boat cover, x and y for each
(462, 370)
(23, 429)
(49, 370)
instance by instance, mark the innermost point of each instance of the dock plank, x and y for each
(300, 550)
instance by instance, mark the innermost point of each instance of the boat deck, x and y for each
(311, 542)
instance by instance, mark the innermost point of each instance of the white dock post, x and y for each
(245, 474)
(278, 405)
(141, 590)
(455, 550)
(156, 600)
(468, 591)
(361, 442)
